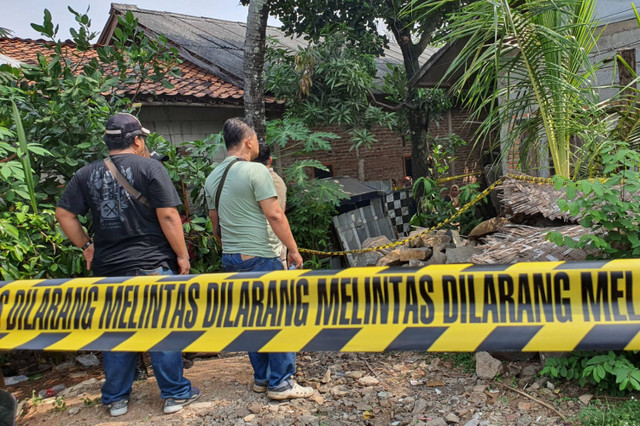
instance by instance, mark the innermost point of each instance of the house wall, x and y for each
(616, 36)
(385, 159)
(178, 123)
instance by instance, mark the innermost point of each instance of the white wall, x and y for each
(178, 123)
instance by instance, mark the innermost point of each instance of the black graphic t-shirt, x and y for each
(128, 235)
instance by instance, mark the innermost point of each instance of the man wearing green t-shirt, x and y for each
(244, 207)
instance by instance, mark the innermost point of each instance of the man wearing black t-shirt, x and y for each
(131, 238)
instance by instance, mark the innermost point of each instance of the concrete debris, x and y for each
(487, 367)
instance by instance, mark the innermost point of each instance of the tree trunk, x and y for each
(418, 120)
(254, 50)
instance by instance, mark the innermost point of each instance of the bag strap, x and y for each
(222, 179)
(137, 195)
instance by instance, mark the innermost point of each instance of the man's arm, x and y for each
(73, 229)
(172, 228)
(280, 225)
(213, 215)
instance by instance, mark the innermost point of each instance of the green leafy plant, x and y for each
(59, 404)
(33, 246)
(598, 413)
(90, 402)
(433, 209)
(609, 206)
(613, 372)
(35, 399)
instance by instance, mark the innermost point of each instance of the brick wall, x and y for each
(385, 159)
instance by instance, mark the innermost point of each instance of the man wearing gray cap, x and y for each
(137, 231)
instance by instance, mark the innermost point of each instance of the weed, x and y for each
(599, 413)
(90, 402)
(36, 399)
(464, 360)
(59, 404)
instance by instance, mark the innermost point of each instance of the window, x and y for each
(408, 171)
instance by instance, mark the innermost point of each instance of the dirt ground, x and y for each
(399, 388)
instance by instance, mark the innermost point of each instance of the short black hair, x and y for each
(235, 130)
(264, 154)
(124, 141)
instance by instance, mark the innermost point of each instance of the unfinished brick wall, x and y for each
(385, 159)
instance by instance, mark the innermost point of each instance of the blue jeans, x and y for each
(120, 368)
(272, 369)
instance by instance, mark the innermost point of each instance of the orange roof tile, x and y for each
(194, 83)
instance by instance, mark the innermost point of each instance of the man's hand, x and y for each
(88, 255)
(294, 258)
(184, 266)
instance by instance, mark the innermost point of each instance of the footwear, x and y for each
(259, 388)
(295, 391)
(118, 408)
(173, 405)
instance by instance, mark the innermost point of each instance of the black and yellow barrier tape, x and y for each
(453, 218)
(537, 306)
(450, 178)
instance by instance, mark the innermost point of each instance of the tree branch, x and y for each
(390, 108)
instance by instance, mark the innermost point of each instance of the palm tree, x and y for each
(525, 66)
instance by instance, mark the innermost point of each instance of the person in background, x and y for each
(264, 157)
(242, 199)
(132, 236)
(453, 196)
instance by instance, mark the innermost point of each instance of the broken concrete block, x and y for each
(391, 259)
(369, 258)
(437, 258)
(418, 253)
(379, 241)
(488, 227)
(461, 254)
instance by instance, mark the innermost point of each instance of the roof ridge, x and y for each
(134, 8)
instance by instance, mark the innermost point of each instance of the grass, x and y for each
(466, 361)
(600, 413)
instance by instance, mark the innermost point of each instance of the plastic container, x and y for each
(52, 391)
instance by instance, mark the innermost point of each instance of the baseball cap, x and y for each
(123, 123)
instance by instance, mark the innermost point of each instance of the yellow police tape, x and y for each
(538, 306)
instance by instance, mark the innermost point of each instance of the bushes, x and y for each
(33, 246)
(613, 372)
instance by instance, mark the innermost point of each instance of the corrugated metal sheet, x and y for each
(219, 44)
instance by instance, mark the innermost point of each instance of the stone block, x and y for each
(418, 253)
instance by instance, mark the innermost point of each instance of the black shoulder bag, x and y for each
(219, 191)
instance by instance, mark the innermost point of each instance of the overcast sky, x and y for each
(17, 15)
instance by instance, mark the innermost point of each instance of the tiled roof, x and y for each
(194, 85)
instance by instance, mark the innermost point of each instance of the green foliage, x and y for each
(610, 207)
(466, 361)
(328, 83)
(59, 404)
(33, 246)
(188, 166)
(67, 96)
(90, 402)
(52, 118)
(311, 203)
(597, 413)
(433, 209)
(612, 373)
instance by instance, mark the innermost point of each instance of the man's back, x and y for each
(242, 222)
(128, 235)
